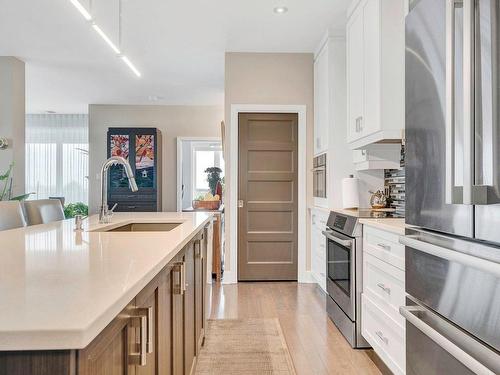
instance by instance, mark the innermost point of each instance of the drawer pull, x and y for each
(384, 288)
(179, 279)
(382, 337)
(138, 357)
(384, 246)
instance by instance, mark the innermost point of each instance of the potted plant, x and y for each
(6, 189)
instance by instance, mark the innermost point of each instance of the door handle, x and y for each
(488, 266)
(469, 97)
(409, 313)
(240, 203)
(346, 243)
(453, 194)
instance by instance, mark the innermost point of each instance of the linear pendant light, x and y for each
(81, 9)
(86, 14)
(106, 39)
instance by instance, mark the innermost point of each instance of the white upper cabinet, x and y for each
(321, 101)
(375, 72)
(354, 75)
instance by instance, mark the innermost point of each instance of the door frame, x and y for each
(179, 163)
(231, 275)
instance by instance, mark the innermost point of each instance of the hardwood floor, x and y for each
(315, 344)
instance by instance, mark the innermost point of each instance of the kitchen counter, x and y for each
(60, 288)
(396, 226)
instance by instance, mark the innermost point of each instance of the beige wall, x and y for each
(268, 78)
(12, 117)
(173, 122)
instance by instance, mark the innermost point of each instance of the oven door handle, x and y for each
(408, 312)
(346, 243)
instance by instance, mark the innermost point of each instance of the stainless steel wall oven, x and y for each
(319, 176)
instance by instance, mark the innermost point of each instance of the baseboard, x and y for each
(306, 278)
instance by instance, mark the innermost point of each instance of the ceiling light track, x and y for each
(88, 17)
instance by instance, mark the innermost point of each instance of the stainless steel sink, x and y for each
(142, 227)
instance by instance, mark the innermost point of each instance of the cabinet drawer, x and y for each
(319, 219)
(385, 285)
(134, 207)
(385, 335)
(384, 245)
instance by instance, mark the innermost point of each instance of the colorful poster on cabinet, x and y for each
(120, 146)
(144, 160)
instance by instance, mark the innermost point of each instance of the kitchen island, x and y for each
(128, 294)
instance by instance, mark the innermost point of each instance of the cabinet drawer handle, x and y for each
(150, 330)
(384, 288)
(183, 277)
(197, 248)
(384, 246)
(138, 358)
(382, 337)
(179, 280)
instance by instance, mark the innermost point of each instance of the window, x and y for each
(57, 157)
(204, 155)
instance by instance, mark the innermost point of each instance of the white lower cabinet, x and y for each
(386, 336)
(383, 293)
(318, 247)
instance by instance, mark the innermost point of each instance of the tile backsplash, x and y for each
(394, 184)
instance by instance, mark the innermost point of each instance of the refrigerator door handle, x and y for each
(488, 266)
(468, 109)
(410, 314)
(453, 194)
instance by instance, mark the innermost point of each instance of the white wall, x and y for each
(173, 122)
(369, 180)
(269, 79)
(12, 118)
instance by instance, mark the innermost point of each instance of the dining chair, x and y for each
(43, 211)
(11, 215)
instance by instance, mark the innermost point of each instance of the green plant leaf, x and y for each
(21, 197)
(73, 209)
(6, 175)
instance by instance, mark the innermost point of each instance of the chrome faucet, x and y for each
(105, 213)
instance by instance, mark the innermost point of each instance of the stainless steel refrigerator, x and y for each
(453, 187)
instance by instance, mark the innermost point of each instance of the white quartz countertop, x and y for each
(392, 225)
(60, 288)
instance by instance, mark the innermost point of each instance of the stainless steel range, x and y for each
(344, 273)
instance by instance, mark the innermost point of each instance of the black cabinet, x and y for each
(142, 148)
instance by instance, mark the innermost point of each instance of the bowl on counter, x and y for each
(206, 205)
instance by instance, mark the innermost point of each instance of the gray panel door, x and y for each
(267, 215)
(487, 158)
(425, 121)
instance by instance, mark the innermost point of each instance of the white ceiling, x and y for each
(177, 45)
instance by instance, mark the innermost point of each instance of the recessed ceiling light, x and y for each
(280, 10)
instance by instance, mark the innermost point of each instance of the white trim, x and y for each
(231, 276)
(179, 163)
